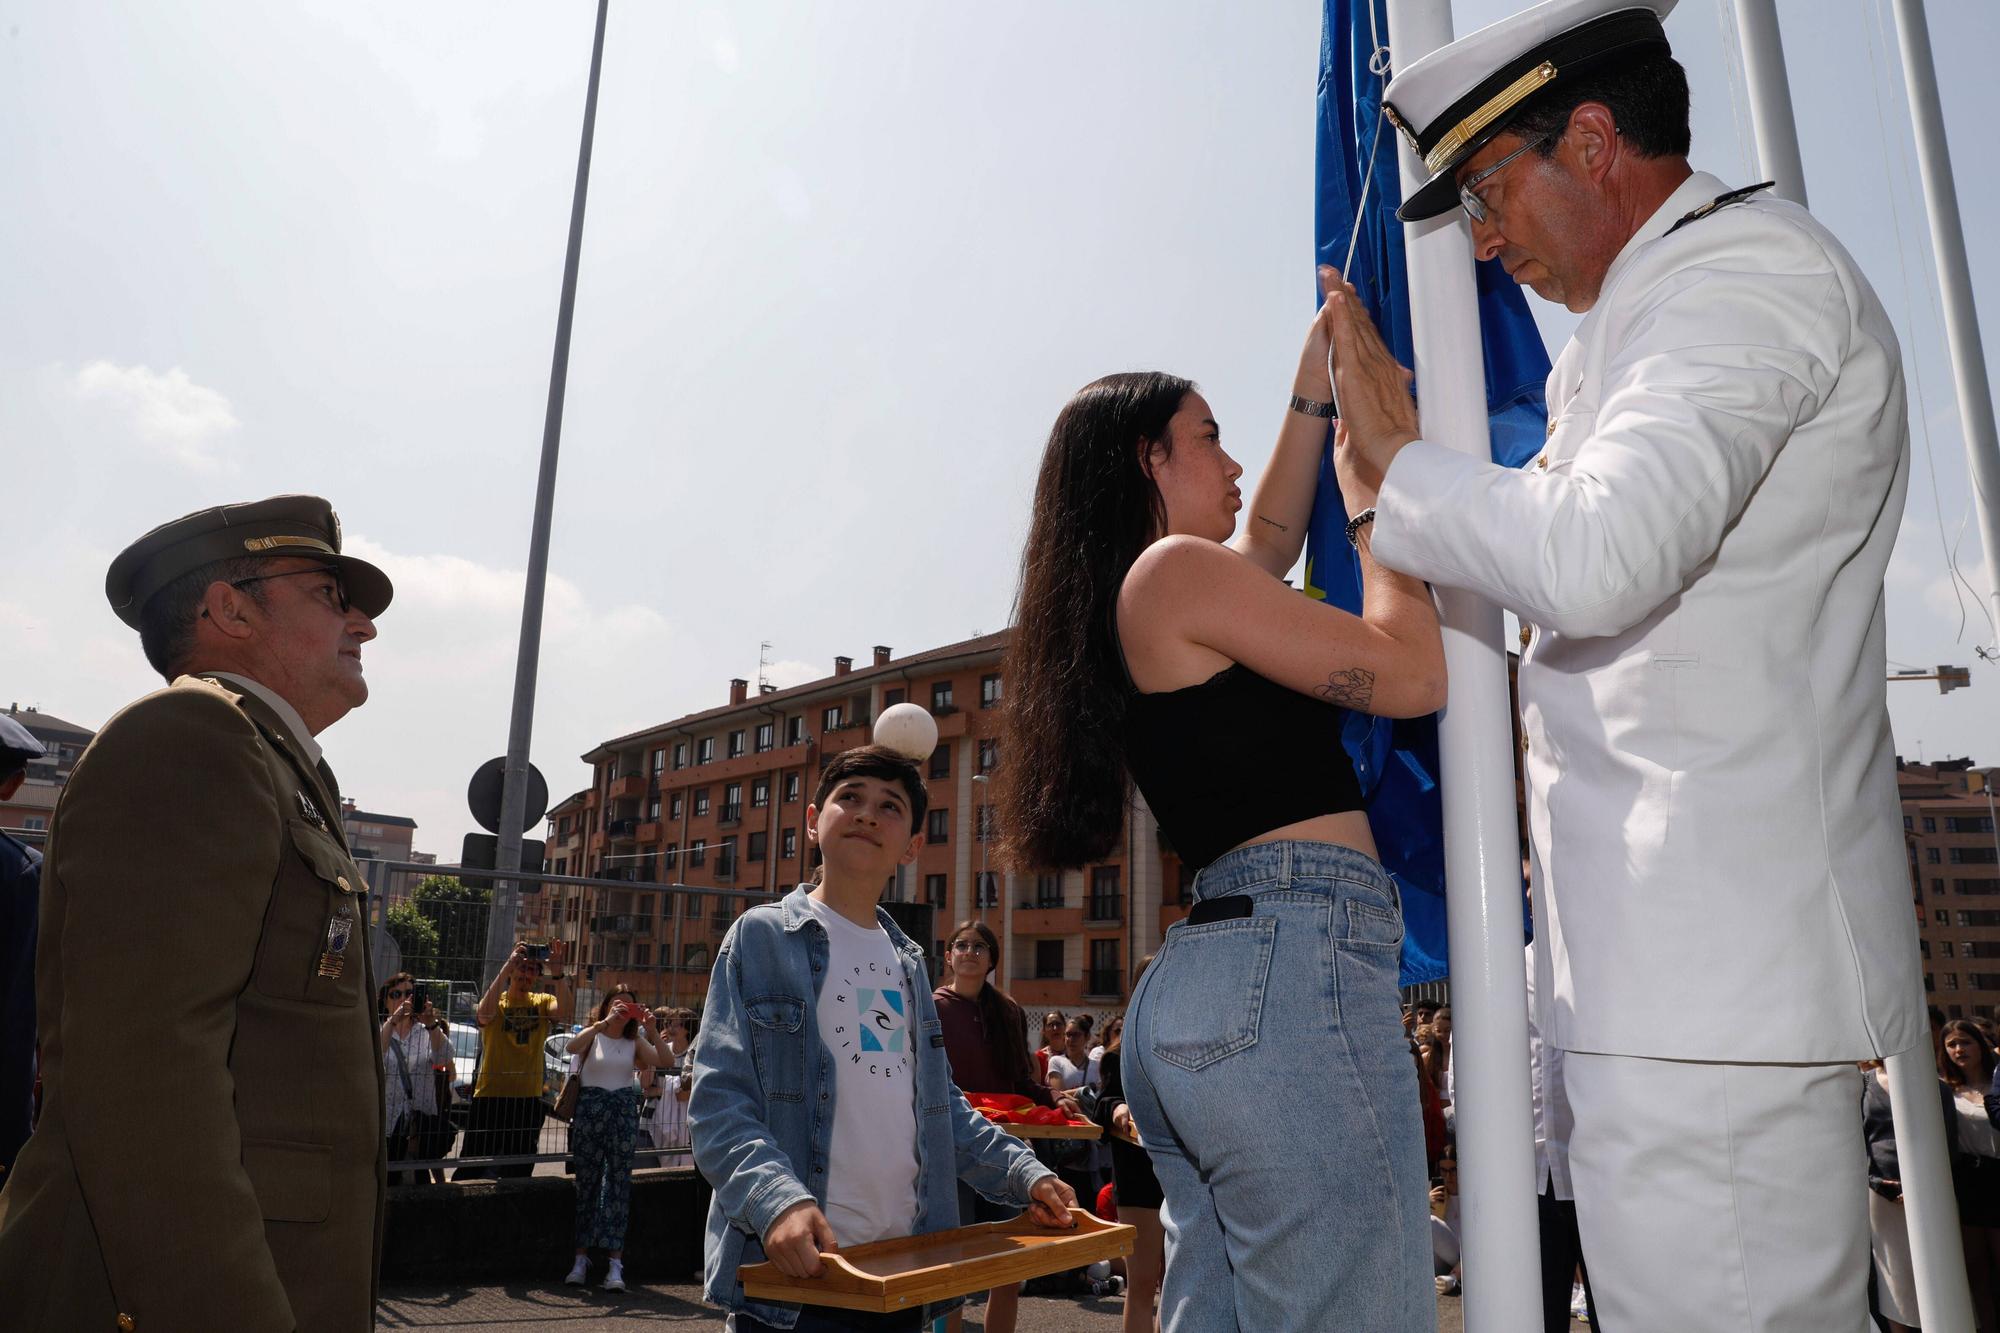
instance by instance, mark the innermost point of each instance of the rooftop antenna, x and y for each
(764, 685)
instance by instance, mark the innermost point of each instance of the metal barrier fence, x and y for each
(655, 940)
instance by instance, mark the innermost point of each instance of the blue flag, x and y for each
(1358, 191)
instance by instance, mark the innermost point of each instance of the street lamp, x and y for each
(980, 831)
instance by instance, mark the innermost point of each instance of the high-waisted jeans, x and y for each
(1269, 1076)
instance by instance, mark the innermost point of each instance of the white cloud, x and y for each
(166, 409)
(792, 672)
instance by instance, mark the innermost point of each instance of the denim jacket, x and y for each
(761, 1113)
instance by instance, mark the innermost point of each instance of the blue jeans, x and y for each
(1269, 1076)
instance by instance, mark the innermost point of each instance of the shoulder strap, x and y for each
(402, 1066)
(1720, 201)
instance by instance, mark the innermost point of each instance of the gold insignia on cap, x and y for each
(269, 543)
(1496, 106)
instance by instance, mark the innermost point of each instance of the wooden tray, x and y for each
(1130, 1136)
(901, 1274)
(1051, 1131)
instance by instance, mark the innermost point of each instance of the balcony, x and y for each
(1048, 921)
(621, 830)
(730, 815)
(649, 830)
(1103, 985)
(725, 872)
(1104, 911)
(615, 925)
(632, 784)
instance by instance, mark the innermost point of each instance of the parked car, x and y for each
(464, 1068)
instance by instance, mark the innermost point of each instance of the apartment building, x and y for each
(1948, 810)
(705, 814)
(63, 743)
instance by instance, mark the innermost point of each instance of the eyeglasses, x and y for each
(968, 946)
(1475, 207)
(335, 596)
(399, 994)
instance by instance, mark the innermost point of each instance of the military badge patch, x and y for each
(339, 930)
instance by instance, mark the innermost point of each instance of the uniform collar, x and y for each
(278, 704)
(1689, 195)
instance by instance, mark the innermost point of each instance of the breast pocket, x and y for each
(777, 1045)
(315, 942)
(1209, 994)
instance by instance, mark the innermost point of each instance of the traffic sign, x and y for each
(484, 797)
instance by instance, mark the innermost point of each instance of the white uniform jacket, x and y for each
(1700, 548)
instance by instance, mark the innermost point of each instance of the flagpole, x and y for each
(1483, 901)
(1771, 121)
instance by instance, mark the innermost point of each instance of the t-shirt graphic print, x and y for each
(864, 1019)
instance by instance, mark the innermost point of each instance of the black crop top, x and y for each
(1233, 757)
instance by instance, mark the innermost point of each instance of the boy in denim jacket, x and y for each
(823, 1110)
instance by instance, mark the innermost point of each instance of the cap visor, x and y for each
(368, 588)
(1436, 196)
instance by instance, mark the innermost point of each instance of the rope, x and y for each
(1732, 65)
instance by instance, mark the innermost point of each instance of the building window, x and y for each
(1909, 823)
(725, 858)
(760, 793)
(934, 891)
(989, 888)
(653, 810)
(890, 698)
(941, 697)
(767, 736)
(1930, 824)
(1931, 855)
(732, 802)
(1941, 916)
(736, 744)
(659, 762)
(1973, 856)
(680, 754)
(671, 857)
(1979, 888)
(987, 826)
(1945, 947)
(941, 761)
(829, 720)
(1048, 960)
(1104, 978)
(1937, 886)
(704, 750)
(989, 753)
(698, 852)
(1968, 824)
(937, 826)
(1951, 981)
(700, 802)
(788, 844)
(989, 690)
(791, 786)
(35, 823)
(675, 804)
(795, 729)
(1048, 891)
(1106, 902)
(755, 848)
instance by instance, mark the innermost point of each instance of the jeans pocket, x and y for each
(1207, 1000)
(1372, 927)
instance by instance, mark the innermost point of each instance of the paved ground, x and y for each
(526, 1306)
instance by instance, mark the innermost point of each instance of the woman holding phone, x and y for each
(412, 1041)
(611, 1053)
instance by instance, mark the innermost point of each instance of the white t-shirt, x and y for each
(1072, 1077)
(864, 1019)
(608, 1063)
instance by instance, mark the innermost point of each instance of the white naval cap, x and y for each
(1451, 102)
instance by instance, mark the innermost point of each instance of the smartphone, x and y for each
(418, 999)
(538, 952)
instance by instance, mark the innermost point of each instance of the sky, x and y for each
(842, 265)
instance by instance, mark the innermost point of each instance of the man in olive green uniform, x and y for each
(218, 1166)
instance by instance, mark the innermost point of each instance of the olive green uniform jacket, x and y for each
(210, 1152)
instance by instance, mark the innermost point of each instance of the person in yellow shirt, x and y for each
(515, 1019)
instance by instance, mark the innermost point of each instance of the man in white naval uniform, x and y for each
(1723, 911)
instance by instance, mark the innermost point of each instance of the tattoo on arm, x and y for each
(1353, 688)
(1273, 522)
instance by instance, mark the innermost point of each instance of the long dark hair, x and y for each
(1063, 789)
(1006, 1026)
(611, 998)
(1959, 1027)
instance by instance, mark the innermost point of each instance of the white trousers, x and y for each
(1723, 1197)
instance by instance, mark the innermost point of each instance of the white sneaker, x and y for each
(579, 1273)
(615, 1279)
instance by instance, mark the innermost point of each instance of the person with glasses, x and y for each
(414, 1041)
(1697, 560)
(198, 845)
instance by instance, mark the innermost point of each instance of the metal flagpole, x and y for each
(500, 923)
(1503, 1275)
(1770, 98)
(1936, 1252)
(1961, 317)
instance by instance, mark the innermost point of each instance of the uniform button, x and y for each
(126, 1323)
(345, 887)
(1527, 633)
(1542, 462)
(1524, 742)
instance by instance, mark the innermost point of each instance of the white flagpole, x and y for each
(1961, 316)
(1770, 98)
(1937, 1257)
(1496, 1155)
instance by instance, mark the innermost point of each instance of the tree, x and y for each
(457, 915)
(415, 936)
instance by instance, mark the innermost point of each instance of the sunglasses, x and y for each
(399, 994)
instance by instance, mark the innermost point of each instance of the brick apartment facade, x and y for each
(63, 743)
(717, 800)
(1955, 876)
